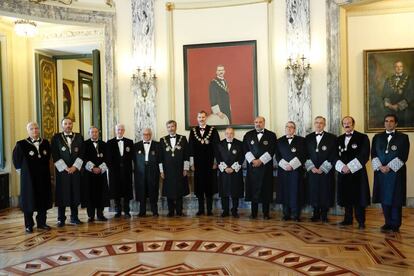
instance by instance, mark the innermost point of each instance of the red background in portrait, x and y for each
(239, 64)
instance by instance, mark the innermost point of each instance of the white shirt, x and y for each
(259, 134)
(121, 146)
(318, 137)
(146, 149)
(389, 135)
(347, 139)
(173, 141)
(68, 139)
(289, 139)
(36, 144)
(229, 145)
(202, 130)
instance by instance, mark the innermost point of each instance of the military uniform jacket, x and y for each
(95, 186)
(353, 188)
(321, 187)
(259, 181)
(230, 185)
(390, 188)
(35, 183)
(174, 160)
(219, 97)
(152, 174)
(202, 150)
(290, 184)
(120, 169)
(68, 186)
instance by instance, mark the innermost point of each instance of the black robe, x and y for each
(68, 186)
(390, 188)
(291, 186)
(95, 186)
(35, 183)
(154, 158)
(175, 185)
(219, 95)
(353, 188)
(321, 187)
(230, 185)
(259, 181)
(202, 149)
(120, 169)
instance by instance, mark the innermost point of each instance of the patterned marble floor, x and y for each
(206, 246)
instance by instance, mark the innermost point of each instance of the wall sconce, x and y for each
(144, 78)
(299, 70)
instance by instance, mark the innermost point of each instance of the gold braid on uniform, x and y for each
(221, 85)
(204, 140)
(168, 148)
(398, 86)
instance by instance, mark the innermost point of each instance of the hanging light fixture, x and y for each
(25, 27)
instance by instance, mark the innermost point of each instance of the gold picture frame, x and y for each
(68, 98)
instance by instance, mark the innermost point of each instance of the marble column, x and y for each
(143, 53)
(298, 44)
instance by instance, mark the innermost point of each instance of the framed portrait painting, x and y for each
(68, 99)
(389, 87)
(221, 79)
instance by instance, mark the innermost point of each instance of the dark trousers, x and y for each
(40, 218)
(291, 211)
(153, 201)
(124, 207)
(392, 215)
(175, 206)
(209, 200)
(91, 212)
(73, 213)
(320, 212)
(255, 208)
(359, 214)
(225, 202)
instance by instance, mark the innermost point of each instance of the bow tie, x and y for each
(390, 133)
(69, 136)
(260, 132)
(172, 136)
(146, 143)
(348, 135)
(120, 139)
(36, 141)
(229, 143)
(202, 128)
(289, 138)
(95, 142)
(319, 134)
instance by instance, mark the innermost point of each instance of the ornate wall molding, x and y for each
(106, 20)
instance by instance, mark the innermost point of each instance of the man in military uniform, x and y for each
(322, 154)
(353, 187)
(398, 95)
(120, 170)
(67, 153)
(389, 154)
(174, 169)
(230, 157)
(147, 157)
(259, 146)
(31, 157)
(96, 195)
(290, 155)
(219, 95)
(202, 141)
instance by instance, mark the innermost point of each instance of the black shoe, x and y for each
(266, 217)
(60, 223)
(235, 215)
(286, 218)
(180, 214)
(252, 216)
(142, 215)
(395, 229)
(118, 215)
(44, 227)
(209, 213)
(361, 226)
(315, 218)
(386, 228)
(127, 215)
(101, 218)
(170, 215)
(76, 221)
(156, 215)
(345, 223)
(200, 213)
(29, 229)
(225, 214)
(91, 219)
(297, 219)
(325, 220)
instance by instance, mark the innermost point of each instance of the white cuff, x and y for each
(354, 165)
(222, 166)
(103, 167)
(339, 166)
(249, 157)
(186, 165)
(282, 163)
(236, 166)
(295, 163)
(395, 164)
(376, 164)
(60, 165)
(265, 158)
(191, 161)
(78, 163)
(215, 108)
(89, 166)
(309, 165)
(326, 166)
(161, 167)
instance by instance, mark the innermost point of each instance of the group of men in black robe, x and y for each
(305, 171)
